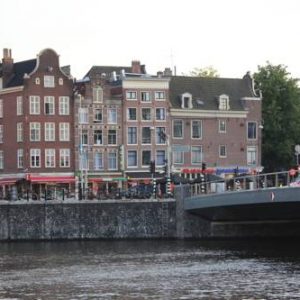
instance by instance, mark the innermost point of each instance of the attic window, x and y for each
(60, 81)
(97, 94)
(224, 102)
(49, 81)
(37, 81)
(186, 100)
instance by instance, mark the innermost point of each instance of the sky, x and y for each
(232, 36)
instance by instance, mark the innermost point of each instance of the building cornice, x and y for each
(12, 90)
(252, 98)
(188, 113)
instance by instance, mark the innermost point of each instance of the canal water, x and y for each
(152, 269)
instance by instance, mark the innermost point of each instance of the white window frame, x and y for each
(162, 116)
(254, 133)
(1, 159)
(112, 116)
(145, 96)
(64, 158)
(149, 153)
(20, 132)
(192, 129)
(224, 102)
(64, 105)
(50, 161)
(134, 139)
(251, 155)
(35, 131)
(182, 129)
(98, 161)
(19, 106)
(112, 160)
(222, 151)
(144, 138)
(110, 135)
(128, 159)
(49, 81)
(131, 95)
(61, 81)
(98, 142)
(160, 157)
(20, 158)
(49, 105)
(36, 162)
(96, 113)
(1, 133)
(49, 131)
(159, 95)
(1, 108)
(35, 105)
(142, 115)
(131, 109)
(194, 159)
(64, 132)
(159, 140)
(178, 157)
(222, 126)
(83, 115)
(97, 94)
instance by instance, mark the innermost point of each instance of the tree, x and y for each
(281, 115)
(204, 72)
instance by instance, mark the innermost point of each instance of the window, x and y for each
(145, 96)
(98, 137)
(84, 161)
(222, 126)
(1, 159)
(19, 132)
(35, 131)
(222, 151)
(98, 118)
(19, 106)
(64, 131)
(251, 155)
(60, 81)
(146, 157)
(83, 115)
(112, 137)
(49, 81)
(132, 158)
(49, 108)
(196, 129)
(146, 114)
(224, 102)
(1, 108)
(131, 114)
(20, 158)
(177, 128)
(160, 136)
(160, 157)
(97, 94)
(98, 160)
(159, 95)
(196, 154)
(112, 161)
(49, 158)
(34, 105)
(49, 132)
(131, 95)
(1, 133)
(252, 130)
(84, 137)
(160, 114)
(64, 105)
(64, 158)
(112, 116)
(35, 158)
(132, 135)
(186, 100)
(146, 135)
(37, 81)
(178, 157)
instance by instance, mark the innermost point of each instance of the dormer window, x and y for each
(224, 102)
(186, 100)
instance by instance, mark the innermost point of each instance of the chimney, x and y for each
(136, 67)
(7, 66)
(168, 72)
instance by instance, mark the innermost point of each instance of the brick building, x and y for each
(216, 123)
(36, 126)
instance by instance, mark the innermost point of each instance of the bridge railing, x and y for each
(238, 183)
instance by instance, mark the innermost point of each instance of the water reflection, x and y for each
(150, 270)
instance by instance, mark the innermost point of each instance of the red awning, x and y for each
(58, 179)
(4, 181)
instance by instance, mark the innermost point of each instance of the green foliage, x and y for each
(281, 115)
(204, 72)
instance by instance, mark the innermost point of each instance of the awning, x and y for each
(58, 179)
(4, 181)
(106, 179)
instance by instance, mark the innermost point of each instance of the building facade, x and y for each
(36, 127)
(216, 126)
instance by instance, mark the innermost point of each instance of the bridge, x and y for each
(263, 198)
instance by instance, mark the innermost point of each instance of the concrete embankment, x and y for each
(87, 220)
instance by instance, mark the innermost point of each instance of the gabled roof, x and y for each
(19, 69)
(205, 91)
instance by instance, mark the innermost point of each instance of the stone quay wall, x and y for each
(87, 220)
